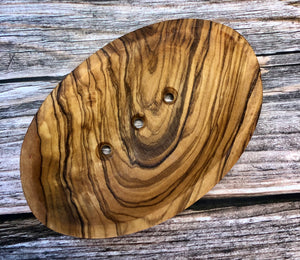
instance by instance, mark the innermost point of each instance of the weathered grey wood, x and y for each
(39, 37)
(266, 228)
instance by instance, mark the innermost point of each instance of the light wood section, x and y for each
(151, 173)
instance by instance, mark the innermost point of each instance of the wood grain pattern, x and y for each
(154, 172)
(253, 228)
(43, 41)
(35, 42)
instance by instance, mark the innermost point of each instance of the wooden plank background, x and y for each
(253, 212)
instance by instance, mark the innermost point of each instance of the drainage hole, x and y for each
(169, 95)
(169, 98)
(138, 122)
(105, 149)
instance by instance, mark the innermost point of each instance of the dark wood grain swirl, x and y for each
(183, 149)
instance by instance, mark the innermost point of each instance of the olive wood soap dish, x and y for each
(141, 129)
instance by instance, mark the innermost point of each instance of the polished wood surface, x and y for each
(142, 129)
(251, 213)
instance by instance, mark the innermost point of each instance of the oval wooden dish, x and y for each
(141, 129)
